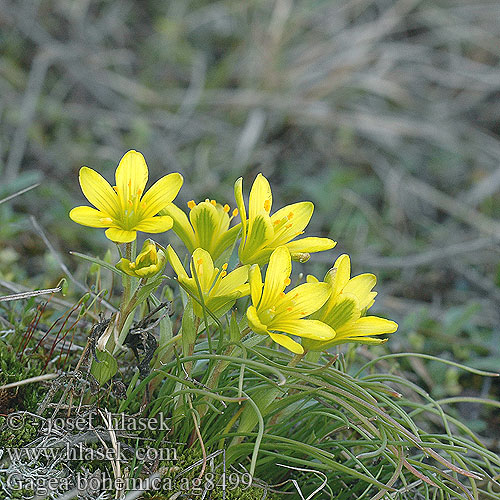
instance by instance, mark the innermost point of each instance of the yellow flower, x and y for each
(123, 208)
(262, 232)
(346, 308)
(219, 289)
(149, 262)
(207, 227)
(273, 311)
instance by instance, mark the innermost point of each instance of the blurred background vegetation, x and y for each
(384, 113)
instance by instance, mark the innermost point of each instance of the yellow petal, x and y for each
(203, 266)
(277, 277)
(310, 245)
(290, 221)
(261, 197)
(312, 279)
(339, 275)
(158, 224)
(343, 310)
(238, 196)
(120, 235)
(309, 328)
(98, 191)
(88, 216)
(260, 231)
(131, 176)
(175, 262)
(226, 240)
(124, 265)
(182, 228)
(254, 322)
(368, 325)
(361, 286)
(233, 282)
(303, 300)
(287, 342)
(205, 221)
(160, 194)
(255, 279)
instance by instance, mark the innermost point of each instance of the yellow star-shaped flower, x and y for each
(125, 209)
(273, 310)
(262, 232)
(345, 310)
(219, 289)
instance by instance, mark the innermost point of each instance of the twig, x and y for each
(40, 378)
(27, 295)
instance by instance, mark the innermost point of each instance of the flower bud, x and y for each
(150, 261)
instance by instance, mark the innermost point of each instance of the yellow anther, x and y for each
(288, 226)
(267, 205)
(224, 266)
(130, 202)
(199, 262)
(191, 204)
(287, 281)
(139, 192)
(130, 183)
(277, 221)
(226, 208)
(289, 309)
(213, 202)
(223, 273)
(235, 212)
(290, 215)
(143, 205)
(115, 188)
(282, 294)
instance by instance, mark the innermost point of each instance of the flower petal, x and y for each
(182, 228)
(124, 265)
(202, 264)
(277, 277)
(238, 196)
(131, 176)
(368, 325)
(287, 342)
(161, 193)
(255, 279)
(158, 224)
(227, 240)
(120, 235)
(254, 322)
(310, 245)
(290, 221)
(259, 233)
(303, 300)
(309, 328)
(340, 274)
(98, 191)
(261, 198)
(343, 310)
(234, 281)
(88, 216)
(205, 221)
(175, 262)
(361, 286)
